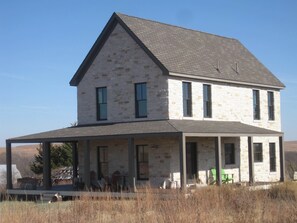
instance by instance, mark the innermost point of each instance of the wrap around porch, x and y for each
(183, 131)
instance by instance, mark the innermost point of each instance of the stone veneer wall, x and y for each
(261, 169)
(164, 160)
(119, 65)
(229, 103)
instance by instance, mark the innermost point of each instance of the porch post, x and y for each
(218, 157)
(87, 168)
(8, 166)
(183, 162)
(251, 160)
(281, 159)
(46, 165)
(74, 160)
(131, 163)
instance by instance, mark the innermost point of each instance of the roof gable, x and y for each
(187, 52)
(109, 27)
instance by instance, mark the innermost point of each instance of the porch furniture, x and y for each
(118, 182)
(226, 178)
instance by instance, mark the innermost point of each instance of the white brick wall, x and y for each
(121, 63)
(164, 159)
(229, 103)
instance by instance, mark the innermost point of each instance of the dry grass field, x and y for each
(210, 204)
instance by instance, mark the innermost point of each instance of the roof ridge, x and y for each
(180, 27)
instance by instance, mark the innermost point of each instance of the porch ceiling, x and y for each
(141, 128)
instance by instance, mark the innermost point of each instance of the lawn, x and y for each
(210, 204)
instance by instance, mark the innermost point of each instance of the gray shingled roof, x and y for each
(145, 128)
(188, 52)
(197, 53)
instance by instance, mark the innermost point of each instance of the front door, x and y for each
(191, 157)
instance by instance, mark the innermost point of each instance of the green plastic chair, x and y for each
(226, 178)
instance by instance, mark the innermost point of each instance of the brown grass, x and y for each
(211, 204)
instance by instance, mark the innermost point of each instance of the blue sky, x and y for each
(43, 42)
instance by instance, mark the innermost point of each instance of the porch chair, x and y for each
(226, 178)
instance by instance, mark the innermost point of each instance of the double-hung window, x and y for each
(229, 153)
(207, 101)
(101, 103)
(272, 157)
(140, 100)
(270, 99)
(187, 99)
(256, 104)
(142, 162)
(258, 152)
(102, 161)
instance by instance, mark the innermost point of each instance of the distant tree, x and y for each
(61, 156)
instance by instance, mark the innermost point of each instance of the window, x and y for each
(140, 100)
(272, 157)
(207, 101)
(101, 103)
(270, 100)
(229, 153)
(142, 162)
(187, 99)
(102, 161)
(191, 158)
(258, 152)
(256, 102)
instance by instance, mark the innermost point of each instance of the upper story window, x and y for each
(101, 103)
(140, 100)
(207, 101)
(270, 99)
(258, 152)
(187, 99)
(256, 104)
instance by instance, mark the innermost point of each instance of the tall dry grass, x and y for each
(211, 204)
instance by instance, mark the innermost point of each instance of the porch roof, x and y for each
(149, 128)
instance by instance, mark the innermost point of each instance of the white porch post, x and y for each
(87, 167)
(218, 158)
(8, 166)
(251, 160)
(183, 162)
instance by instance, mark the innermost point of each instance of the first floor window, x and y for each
(142, 162)
(229, 153)
(102, 160)
(101, 103)
(272, 157)
(258, 152)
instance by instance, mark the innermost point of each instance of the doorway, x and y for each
(191, 159)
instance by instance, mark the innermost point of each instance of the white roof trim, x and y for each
(223, 80)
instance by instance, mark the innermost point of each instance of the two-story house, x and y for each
(157, 101)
